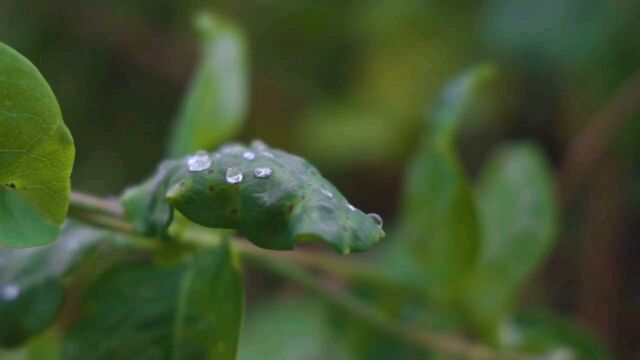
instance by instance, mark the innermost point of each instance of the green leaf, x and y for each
(519, 214)
(31, 282)
(145, 205)
(287, 203)
(216, 102)
(36, 155)
(289, 329)
(439, 222)
(148, 311)
(552, 337)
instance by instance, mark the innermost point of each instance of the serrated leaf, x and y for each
(292, 203)
(518, 214)
(36, 155)
(149, 311)
(216, 102)
(31, 287)
(439, 221)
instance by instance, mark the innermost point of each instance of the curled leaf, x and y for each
(273, 198)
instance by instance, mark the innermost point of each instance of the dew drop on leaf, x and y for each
(327, 193)
(199, 162)
(258, 144)
(234, 175)
(9, 292)
(248, 155)
(376, 219)
(263, 172)
(351, 207)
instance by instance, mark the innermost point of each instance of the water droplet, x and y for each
(351, 207)
(200, 161)
(258, 144)
(268, 154)
(327, 193)
(9, 292)
(376, 219)
(263, 172)
(248, 155)
(232, 149)
(234, 175)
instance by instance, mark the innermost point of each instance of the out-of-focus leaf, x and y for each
(45, 346)
(31, 288)
(552, 338)
(547, 29)
(36, 155)
(518, 214)
(273, 198)
(289, 329)
(148, 311)
(439, 223)
(333, 134)
(216, 102)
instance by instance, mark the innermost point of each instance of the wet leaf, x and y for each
(36, 155)
(273, 198)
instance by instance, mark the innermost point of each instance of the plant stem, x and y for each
(107, 214)
(591, 142)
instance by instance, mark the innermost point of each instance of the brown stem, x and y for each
(589, 145)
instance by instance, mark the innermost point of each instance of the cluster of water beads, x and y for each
(199, 161)
(9, 292)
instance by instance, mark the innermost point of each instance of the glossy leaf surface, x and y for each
(36, 155)
(273, 198)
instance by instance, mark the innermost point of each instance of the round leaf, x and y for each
(36, 155)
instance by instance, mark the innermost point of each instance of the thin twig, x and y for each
(449, 345)
(590, 144)
(106, 214)
(83, 201)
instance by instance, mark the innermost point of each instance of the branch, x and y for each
(108, 214)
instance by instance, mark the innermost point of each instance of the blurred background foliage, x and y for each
(348, 85)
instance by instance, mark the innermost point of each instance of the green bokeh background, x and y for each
(347, 84)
